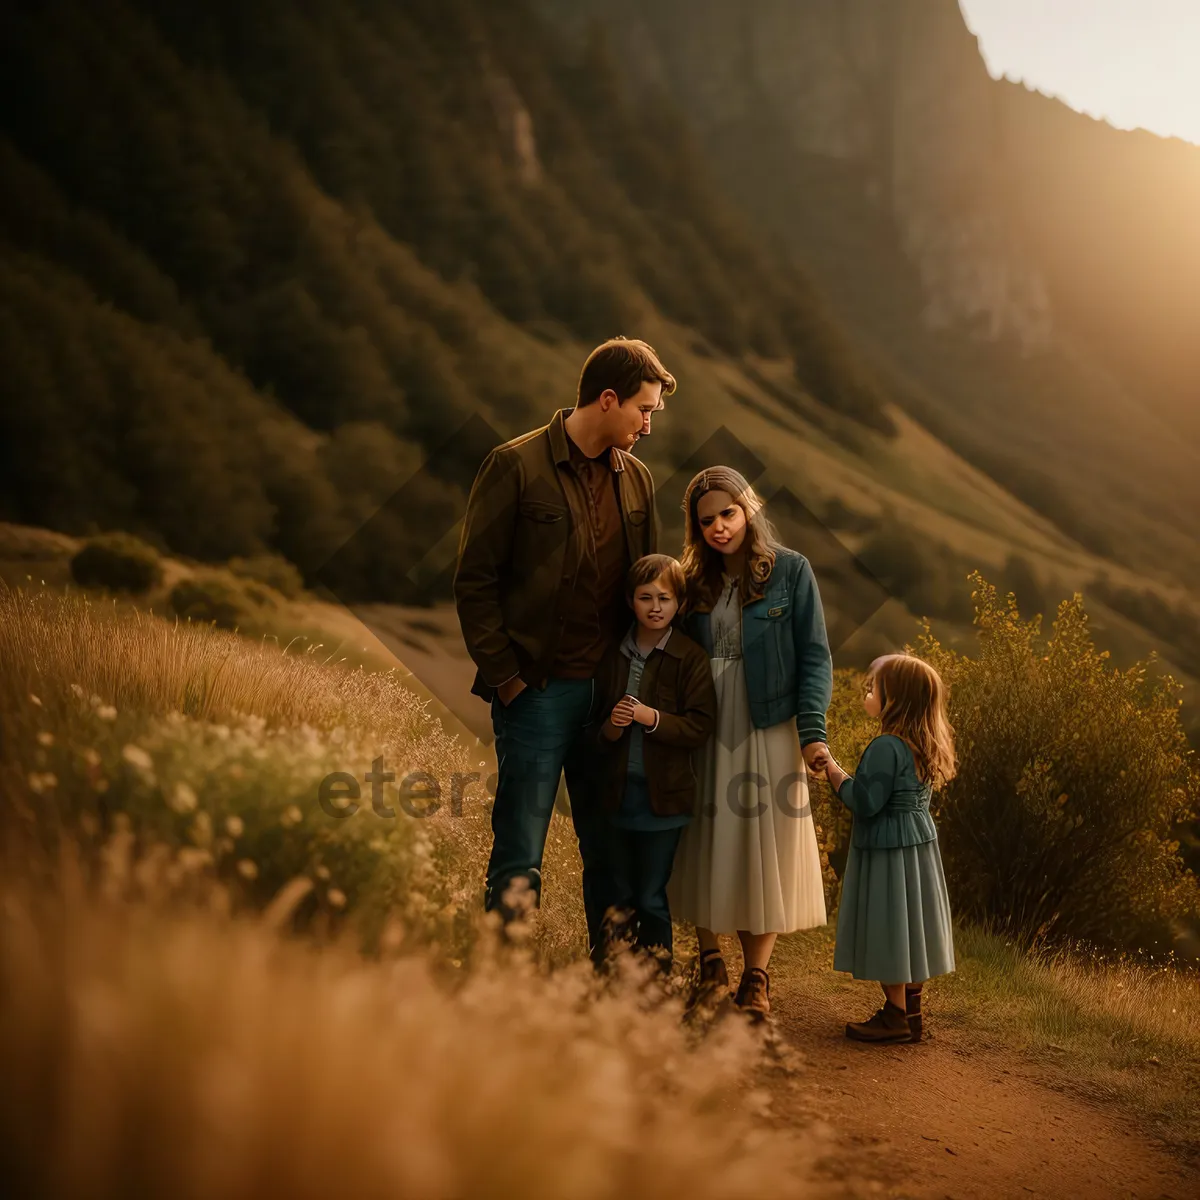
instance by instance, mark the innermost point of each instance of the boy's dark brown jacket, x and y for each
(522, 540)
(677, 680)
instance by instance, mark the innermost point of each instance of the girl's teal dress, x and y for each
(893, 921)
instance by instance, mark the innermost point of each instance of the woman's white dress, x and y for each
(749, 859)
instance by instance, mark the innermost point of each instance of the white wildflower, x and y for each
(200, 830)
(183, 798)
(247, 868)
(138, 757)
(41, 782)
(106, 712)
(336, 898)
(77, 690)
(234, 826)
(191, 858)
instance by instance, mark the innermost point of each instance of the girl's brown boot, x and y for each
(912, 1009)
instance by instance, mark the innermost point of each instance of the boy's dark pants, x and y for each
(539, 737)
(641, 866)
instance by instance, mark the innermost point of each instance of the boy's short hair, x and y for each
(622, 364)
(648, 568)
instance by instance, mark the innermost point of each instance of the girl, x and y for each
(894, 917)
(749, 861)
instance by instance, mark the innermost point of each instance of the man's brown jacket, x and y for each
(525, 535)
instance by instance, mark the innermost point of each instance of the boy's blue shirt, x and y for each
(785, 647)
(889, 802)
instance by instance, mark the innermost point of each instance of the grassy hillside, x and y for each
(279, 280)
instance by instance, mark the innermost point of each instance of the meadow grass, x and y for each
(163, 1031)
(156, 1050)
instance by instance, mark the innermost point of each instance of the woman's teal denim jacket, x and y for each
(789, 672)
(889, 802)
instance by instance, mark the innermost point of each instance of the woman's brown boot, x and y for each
(754, 993)
(713, 985)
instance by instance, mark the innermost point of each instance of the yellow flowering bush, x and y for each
(1075, 779)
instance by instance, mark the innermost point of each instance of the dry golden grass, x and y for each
(158, 1036)
(157, 1051)
(134, 659)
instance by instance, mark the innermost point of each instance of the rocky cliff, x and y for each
(871, 136)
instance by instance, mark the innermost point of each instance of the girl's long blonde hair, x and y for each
(912, 700)
(702, 565)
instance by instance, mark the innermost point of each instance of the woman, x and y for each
(749, 862)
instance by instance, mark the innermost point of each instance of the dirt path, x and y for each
(946, 1119)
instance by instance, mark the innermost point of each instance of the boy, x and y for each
(657, 691)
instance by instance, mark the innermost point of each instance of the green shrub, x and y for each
(272, 569)
(211, 598)
(1074, 782)
(117, 561)
(1075, 785)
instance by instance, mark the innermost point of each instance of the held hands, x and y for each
(821, 763)
(629, 709)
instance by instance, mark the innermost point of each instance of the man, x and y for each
(554, 521)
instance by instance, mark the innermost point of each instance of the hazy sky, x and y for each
(1133, 62)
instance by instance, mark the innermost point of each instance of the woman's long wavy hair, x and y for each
(702, 565)
(912, 699)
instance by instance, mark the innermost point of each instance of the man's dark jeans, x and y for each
(539, 736)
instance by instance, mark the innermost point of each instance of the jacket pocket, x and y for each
(779, 610)
(540, 511)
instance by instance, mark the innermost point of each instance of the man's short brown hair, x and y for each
(648, 568)
(622, 364)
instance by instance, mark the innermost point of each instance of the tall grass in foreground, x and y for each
(157, 1050)
(162, 1035)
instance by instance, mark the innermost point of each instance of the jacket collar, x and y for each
(560, 443)
(667, 644)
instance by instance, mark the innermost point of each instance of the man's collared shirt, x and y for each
(596, 601)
